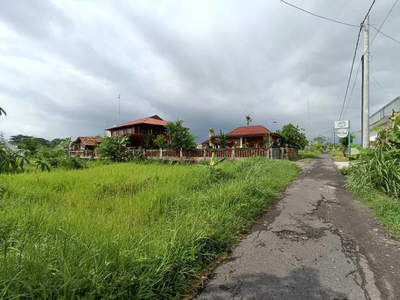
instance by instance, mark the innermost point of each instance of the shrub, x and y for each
(114, 148)
(377, 168)
(317, 148)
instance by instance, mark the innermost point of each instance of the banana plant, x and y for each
(213, 162)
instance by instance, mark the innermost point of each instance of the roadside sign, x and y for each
(342, 133)
(342, 124)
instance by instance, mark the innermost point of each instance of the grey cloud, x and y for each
(259, 58)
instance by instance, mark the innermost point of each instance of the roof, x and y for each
(153, 120)
(247, 131)
(385, 111)
(88, 141)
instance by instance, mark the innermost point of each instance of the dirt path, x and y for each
(317, 243)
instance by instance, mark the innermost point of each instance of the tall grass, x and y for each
(126, 231)
(376, 168)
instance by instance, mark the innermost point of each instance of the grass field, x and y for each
(126, 231)
(338, 155)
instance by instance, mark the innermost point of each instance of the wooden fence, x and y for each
(230, 154)
(204, 154)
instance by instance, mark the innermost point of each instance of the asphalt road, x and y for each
(318, 242)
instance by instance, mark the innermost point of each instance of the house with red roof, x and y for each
(249, 136)
(139, 129)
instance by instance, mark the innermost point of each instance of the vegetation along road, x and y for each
(319, 242)
(135, 230)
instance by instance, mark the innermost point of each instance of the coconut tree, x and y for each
(248, 119)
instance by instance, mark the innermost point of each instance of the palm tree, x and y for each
(2, 111)
(248, 120)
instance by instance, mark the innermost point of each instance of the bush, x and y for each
(114, 148)
(58, 158)
(377, 168)
(317, 148)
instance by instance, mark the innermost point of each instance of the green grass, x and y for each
(306, 157)
(338, 155)
(126, 231)
(385, 208)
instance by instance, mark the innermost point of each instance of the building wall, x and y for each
(381, 117)
(139, 129)
(233, 143)
(254, 142)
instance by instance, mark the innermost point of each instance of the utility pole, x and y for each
(365, 101)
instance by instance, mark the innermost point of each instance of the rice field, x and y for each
(126, 231)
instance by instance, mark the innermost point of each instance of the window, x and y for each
(121, 131)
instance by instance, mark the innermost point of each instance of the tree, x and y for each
(161, 141)
(211, 137)
(179, 136)
(293, 136)
(222, 139)
(17, 139)
(30, 144)
(320, 139)
(345, 142)
(248, 119)
(114, 148)
(149, 140)
(2, 111)
(56, 142)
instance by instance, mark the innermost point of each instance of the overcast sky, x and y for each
(209, 63)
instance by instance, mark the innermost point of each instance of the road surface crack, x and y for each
(350, 250)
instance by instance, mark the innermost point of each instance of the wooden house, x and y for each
(84, 146)
(249, 136)
(139, 129)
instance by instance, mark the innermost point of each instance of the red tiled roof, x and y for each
(89, 141)
(153, 120)
(246, 131)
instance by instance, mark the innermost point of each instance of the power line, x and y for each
(386, 35)
(354, 57)
(351, 72)
(352, 89)
(379, 85)
(358, 69)
(319, 16)
(369, 10)
(378, 30)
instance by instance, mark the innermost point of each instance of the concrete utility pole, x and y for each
(365, 105)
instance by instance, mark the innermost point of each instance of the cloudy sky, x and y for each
(64, 63)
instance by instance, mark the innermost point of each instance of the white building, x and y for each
(381, 117)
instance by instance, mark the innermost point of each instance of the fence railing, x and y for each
(204, 154)
(230, 154)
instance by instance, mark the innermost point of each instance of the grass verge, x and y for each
(126, 231)
(306, 157)
(385, 208)
(337, 155)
